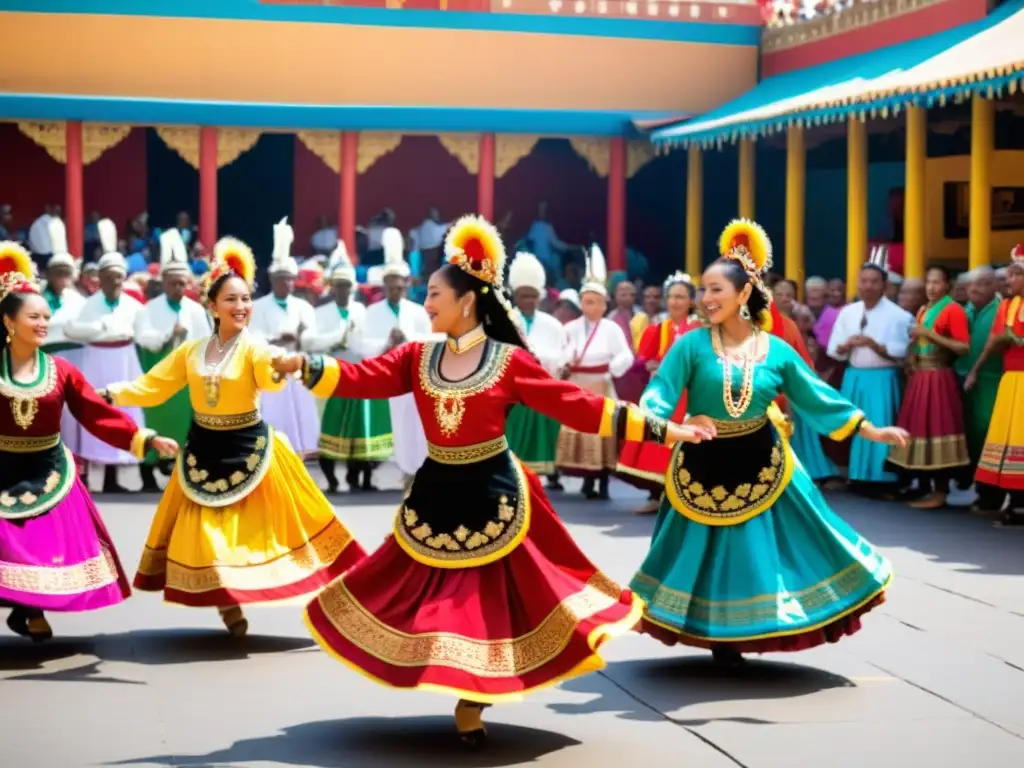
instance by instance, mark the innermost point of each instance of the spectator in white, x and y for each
(183, 223)
(325, 239)
(545, 242)
(39, 236)
(427, 238)
(374, 233)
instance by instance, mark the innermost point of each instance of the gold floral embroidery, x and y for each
(450, 398)
(200, 487)
(225, 423)
(502, 658)
(44, 496)
(95, 573)
(467, 454)
(24, 400)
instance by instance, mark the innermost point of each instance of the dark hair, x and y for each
(787, 281)
(737, 275)
(490, 311)
(10, 307)
(943, 269)
(878, 269)
(664, 289)
(214, 289)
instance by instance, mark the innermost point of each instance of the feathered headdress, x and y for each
(59, 245)
(596, 279)
(676, 278)
(110, 259)
(393, 245)
(526, 271)
(474, 245)
(746, 241)
(16, 270)
(173, 254)
(281, 261)
(1017, 254)
(879, 259)
(232, 256)
(340, 266)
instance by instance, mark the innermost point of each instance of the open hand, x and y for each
(165, 446)
(970, 381)
(703, 422)
(894, 436)
(688, 433)
(285, 364)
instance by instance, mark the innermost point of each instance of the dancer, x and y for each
(932, 410)
(746, 555)
(280, 318)
(532, 436)
(488, 598)
(55, 553)
(599, 352)
(354, 431)
(1001, 468)
(643, 464)
(240, 521)
(163, 324)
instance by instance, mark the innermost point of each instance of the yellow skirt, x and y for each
(1002, 458)
(280, 541)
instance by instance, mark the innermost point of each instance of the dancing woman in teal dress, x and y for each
(746, 555)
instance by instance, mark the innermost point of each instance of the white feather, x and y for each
(526, 271)
(172, 249)
(597, 270)
(108, 235)
(393, 244)
(284, 236)
(339, 256)
(58, 235)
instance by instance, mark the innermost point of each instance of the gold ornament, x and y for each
(24, 410)
(449, 410)
(736, 408)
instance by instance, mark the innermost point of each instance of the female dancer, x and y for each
(746, 555)
(485, 596)
(55, 553)
(644, 464)
(240, 521)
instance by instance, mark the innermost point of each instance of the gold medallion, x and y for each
(449, 410)
(211, 388)
(24, 411)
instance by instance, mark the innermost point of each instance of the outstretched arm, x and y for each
(388, 375)
(101, 419)
(161, 383)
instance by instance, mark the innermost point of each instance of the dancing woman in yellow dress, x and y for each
(241, 521)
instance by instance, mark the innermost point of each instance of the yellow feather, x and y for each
(757, 242)
(476, 228)
(14, 258)
(232, 252)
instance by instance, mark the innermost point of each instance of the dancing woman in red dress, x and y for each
(480, 592)
(644, 464)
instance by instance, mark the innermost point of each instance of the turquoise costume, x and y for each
(807, 447)
(746, 552)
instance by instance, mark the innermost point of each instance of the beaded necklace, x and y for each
(736, 408)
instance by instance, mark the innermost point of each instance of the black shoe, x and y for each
(727, 656)
(18, 620)
(554, 485)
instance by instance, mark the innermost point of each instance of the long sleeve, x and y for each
(102, 420)
(897, 337)
(379, 378)
(579, 408)
(622, 353)
(320, 341)
(841, 333)
(818, 404)
(671, 380)
(161, 383)
(149, 336)
(85, 330)
(650, 341)
(263, 371)
(954, 324)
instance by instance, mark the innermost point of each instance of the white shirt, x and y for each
(71, 302)
(330, 330)
(154, 325)
(608, 347)
(429, 234)
(324, 240)
(270, 321)
(412, 319)
(39, 235)
(98, 323)
(548, 341)
(886, 323)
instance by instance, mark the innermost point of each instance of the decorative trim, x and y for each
(12, 444)
(97, 138)
(467, 454)
(228, 422)
(52, 580)
(450, 398)
(54, 489)
(140, 442)
(225, 491)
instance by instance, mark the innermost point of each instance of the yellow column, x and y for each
(796, 198)
(980, 221)
(748, 178)
(856, 201)
(913, 204)
(694, 213)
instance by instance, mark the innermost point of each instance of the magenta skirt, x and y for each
(63, 560)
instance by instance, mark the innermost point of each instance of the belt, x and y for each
(589, 369)
(227, 422)
(739, 428)
(12, 444)
(467, 454)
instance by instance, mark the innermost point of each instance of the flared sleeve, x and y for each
(579, 408)
(158, 385)
(101, 419)
(819, 404)
(379, 378)
(671, 379)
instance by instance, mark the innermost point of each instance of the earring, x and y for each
(465, 311)
(745, 312)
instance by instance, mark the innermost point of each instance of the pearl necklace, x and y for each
(735, 408)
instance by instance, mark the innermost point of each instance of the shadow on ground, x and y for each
(150, 647)
(372, 741)
(650, 689)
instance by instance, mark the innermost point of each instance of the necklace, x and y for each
(735, 408)
(226, 345)
(212, 371)
(467, 341)
(24, 406)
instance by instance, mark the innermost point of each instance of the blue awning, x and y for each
(985, 56)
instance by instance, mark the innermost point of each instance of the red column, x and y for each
(74, 205)
(617, 205)
(347, 192)
(485, 178)
(208, 186)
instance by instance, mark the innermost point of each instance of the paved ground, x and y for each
(936, 678)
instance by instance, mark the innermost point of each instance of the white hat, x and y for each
(375, 277)
(111, 259)
(173, 254)
(570, 295)
(896, 278)
(340, 266)
(59, 245)
(596, 280)
(393, 243)
(281, 261)
(527, 272)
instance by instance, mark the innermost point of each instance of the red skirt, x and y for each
(487, 634)
(933, 414)
(831, 633)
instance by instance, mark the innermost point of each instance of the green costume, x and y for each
(174, 417)
(981, 399)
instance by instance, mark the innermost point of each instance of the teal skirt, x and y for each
(792, 577)
(807, 447)
(878, 392)
(533, 438)
(356, 430)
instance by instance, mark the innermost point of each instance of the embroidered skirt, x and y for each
(876, 392)
(357, 430)
(172, 418)
(979, 405)
(1002, 459)
(241, 521)
(292, 412)
(533, 438)
(488, 633)
(932, 412)
(55, 552)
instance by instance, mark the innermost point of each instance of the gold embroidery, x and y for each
(224, 491)
(502, 658)
(13, 444)
(467, 454)
(347, 448)
(28, 498)
(24, 400)
(95, 573)
(54, 489)
(450, 398)
(733, 428)
(7, 500)
(24, 410)
(225, 423)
